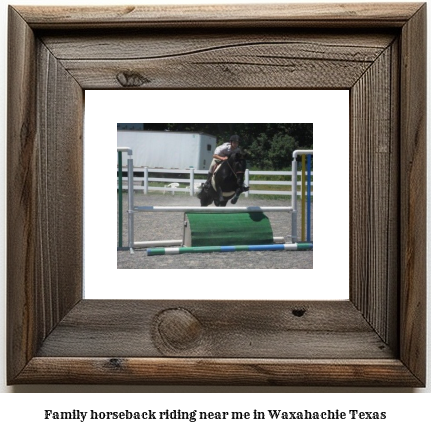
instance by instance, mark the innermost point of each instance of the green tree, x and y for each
(280, 153)
(258, 152)
(302, 133)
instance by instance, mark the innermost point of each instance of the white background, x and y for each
(405, 410)
(329, 113)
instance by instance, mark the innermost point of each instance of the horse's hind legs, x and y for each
(220, 203)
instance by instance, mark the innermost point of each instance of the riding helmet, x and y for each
(234, 138)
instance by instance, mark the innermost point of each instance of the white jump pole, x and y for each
(295, 191)
(192, 209)
(162, 243)
(158, 243)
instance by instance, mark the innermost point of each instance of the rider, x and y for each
(221, 154)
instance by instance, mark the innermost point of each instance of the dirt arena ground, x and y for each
(161, 226)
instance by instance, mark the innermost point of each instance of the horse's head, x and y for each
(238, 162)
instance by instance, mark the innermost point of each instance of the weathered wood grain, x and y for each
(413, 194)
(44, 194)
(234, 70)
(236, 329)
(218, 60)
(375, 338)
(21, 196)
(138, 45)
(374, 194)
(218, 371)
(59, 183)
(255, 15)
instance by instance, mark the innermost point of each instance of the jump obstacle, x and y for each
(247, 248)
(221, 229)
(226, 229)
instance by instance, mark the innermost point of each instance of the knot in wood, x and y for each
(178, 329)
(131, 79)
(115, 363)
(298, 312)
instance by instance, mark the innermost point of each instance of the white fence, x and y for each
(191, 185)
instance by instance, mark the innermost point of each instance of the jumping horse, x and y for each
(227, 182)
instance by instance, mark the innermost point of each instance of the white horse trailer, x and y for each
(168, 150)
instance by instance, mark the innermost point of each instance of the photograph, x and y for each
(238, 189)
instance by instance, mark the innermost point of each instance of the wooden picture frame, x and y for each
(376, 338)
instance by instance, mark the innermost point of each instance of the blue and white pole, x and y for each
(246, 248)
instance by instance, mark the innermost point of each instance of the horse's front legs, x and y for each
(238, 192)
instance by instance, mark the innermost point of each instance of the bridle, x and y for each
(234, 173)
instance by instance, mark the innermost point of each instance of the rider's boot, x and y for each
(207, 183)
